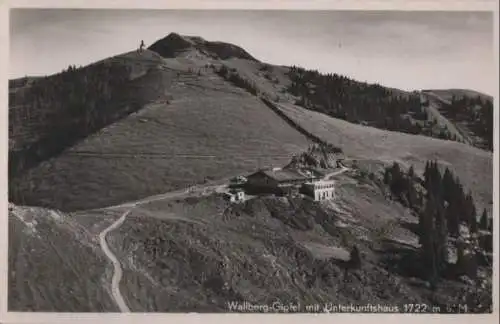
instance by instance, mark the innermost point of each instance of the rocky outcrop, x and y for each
(174, 44)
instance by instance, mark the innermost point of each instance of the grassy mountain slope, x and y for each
(194, 125)
(416, 113)
(432, 107)
(470, 112)
(474, 166)
(55, 263)
(190, 124)
(76, 103)
(257, 252)
(392, 109)
(201, 126)
(199, 253)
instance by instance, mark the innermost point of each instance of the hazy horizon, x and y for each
(406, 50)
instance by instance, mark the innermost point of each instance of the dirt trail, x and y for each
(117, 275)
(118, 272)
(213, 186)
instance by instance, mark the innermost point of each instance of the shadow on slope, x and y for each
(55, 112)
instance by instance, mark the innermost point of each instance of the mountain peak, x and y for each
(175, 44)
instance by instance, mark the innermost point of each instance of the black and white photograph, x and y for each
(251, 161)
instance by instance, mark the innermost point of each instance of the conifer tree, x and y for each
(411, 172)
(411, 192)
(452, 219)
(427, 175)
(427, 238)
(470, 214)
(397, 180)
(441, 242)
(450, 195)
(484, 222)
(448, 183)
(433, 221)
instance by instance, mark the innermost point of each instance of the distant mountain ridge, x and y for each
(448, 93)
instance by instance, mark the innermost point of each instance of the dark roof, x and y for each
(283, 175)
(235, 190)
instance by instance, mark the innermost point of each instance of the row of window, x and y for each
(325, 195)
(325, 186)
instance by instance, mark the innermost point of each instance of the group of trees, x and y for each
(442, 208)
(477, 112)
(57, 110)
(403, 186)
(358, 102)
(317, 156)
(232, 76)
(75, 95)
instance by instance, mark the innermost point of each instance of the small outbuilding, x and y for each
(234, 195)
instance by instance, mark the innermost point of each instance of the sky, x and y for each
(406, 50)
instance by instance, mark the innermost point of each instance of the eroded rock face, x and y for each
(318, 156)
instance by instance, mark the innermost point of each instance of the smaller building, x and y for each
(238, 180)
(319, 190)
(229, 197)
(234, 195)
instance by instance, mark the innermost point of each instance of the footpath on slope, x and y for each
(117, 269)
(117, 274)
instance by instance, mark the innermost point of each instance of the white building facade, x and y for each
(320, 190)
(234, 195)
